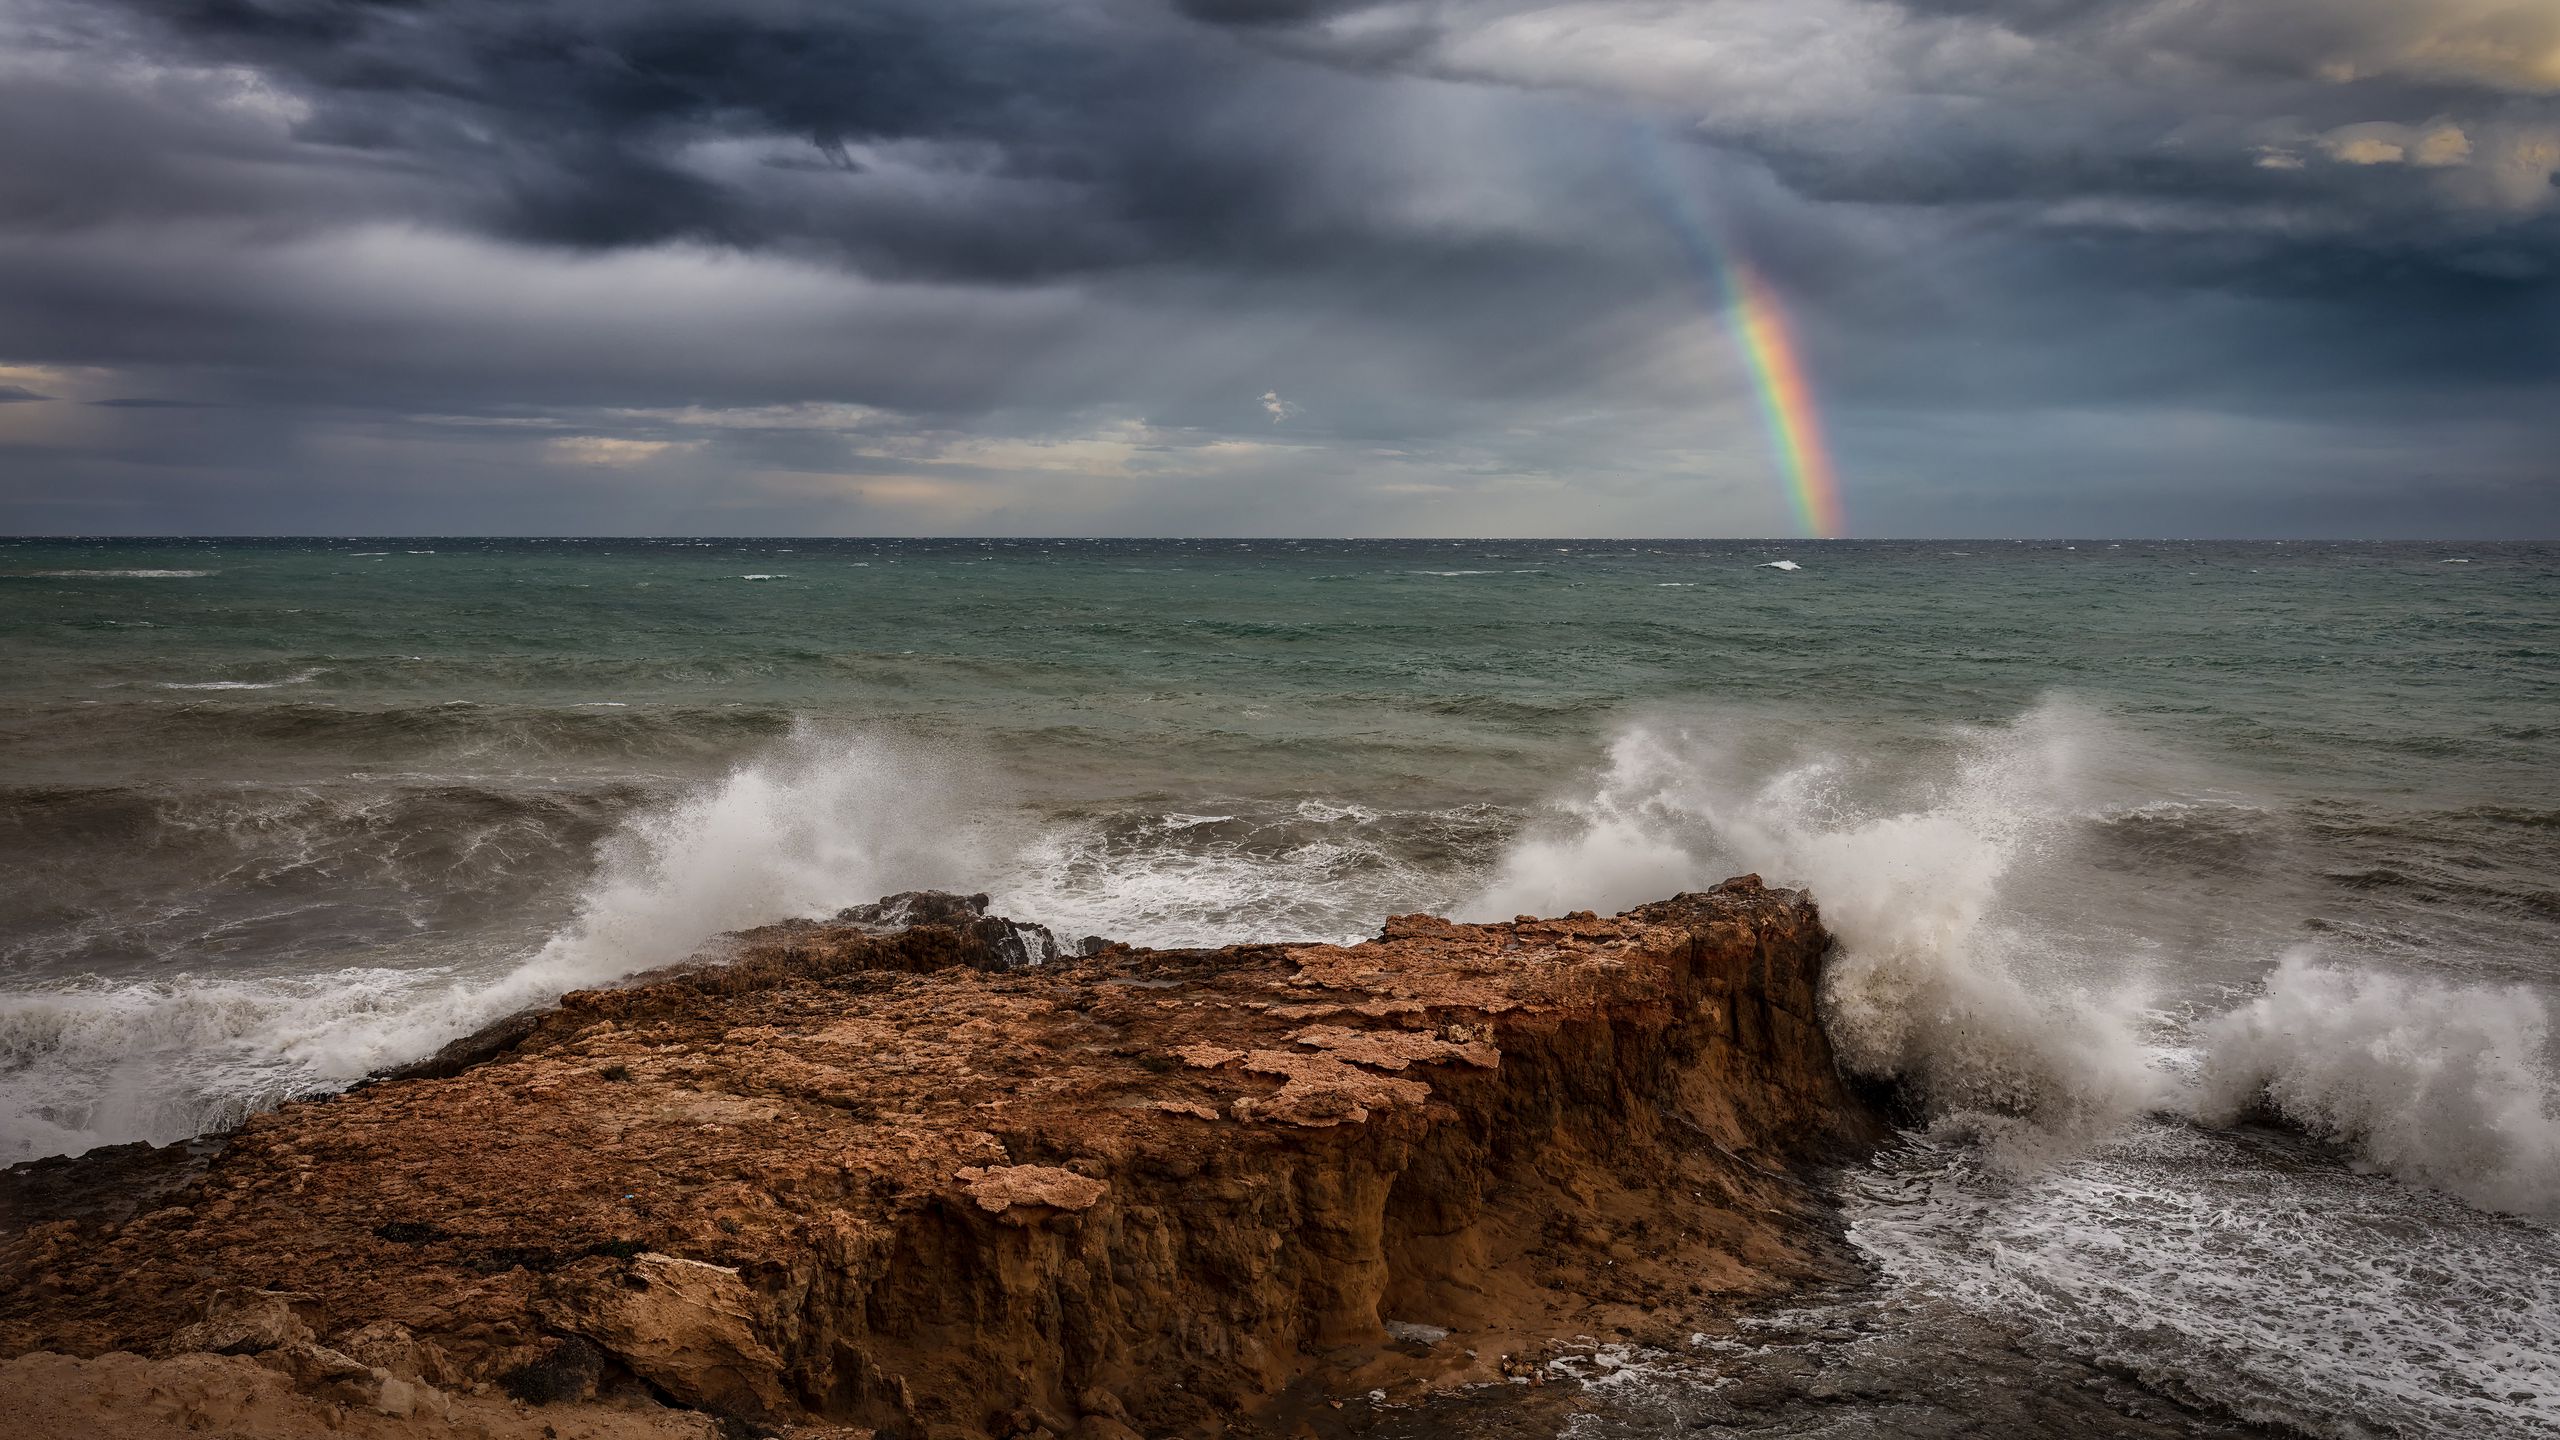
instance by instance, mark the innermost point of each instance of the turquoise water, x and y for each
(2119, 837)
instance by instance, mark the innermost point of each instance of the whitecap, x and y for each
(818, 825)
(301, 677)
(2438, 1083)
(121, 574)
(1778, 565)
(1327, 811)
(1936, 984)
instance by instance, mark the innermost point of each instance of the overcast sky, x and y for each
(1274, 267)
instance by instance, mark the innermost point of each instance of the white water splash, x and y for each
(823, 823)
(1939, 982)
(2437, 1083)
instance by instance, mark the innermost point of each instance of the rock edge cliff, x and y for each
(880, 1173)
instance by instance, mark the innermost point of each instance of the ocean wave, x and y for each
(2206, 838)
(818, 824)
(157, 1061)
(2243, 1267)
(145, 878)
(1261, 869)
(299, 677)
(116, 574)
(2438, 1083)
(1990, 967)
(421, 811)
(1939, 984)
(427, 732)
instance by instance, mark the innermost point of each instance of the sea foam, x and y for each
(820, 823)
(2433, 1082)
(1940, 983)
(1990, 966)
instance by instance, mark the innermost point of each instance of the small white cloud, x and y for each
(1277, 408)
(2366, 145)
(607, 450)
(2442, 145)
(2436, 145)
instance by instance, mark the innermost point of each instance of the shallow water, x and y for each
(2122, 841)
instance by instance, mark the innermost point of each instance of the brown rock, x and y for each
(247, 1322)
(996, 1187)
(391, 1346)
(1396, 1049)
(736, 1182)
(1321, 1090)
(686, 1326)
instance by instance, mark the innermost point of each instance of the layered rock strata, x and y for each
(895, 1178)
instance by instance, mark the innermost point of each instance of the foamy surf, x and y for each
(2083, 1168)
(1980, 968)
(821, 823)
(1935, 985)
(2436, 1083)
(2243, 1267)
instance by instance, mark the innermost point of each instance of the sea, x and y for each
(2200, 900)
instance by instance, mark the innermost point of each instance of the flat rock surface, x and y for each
(875, 1176)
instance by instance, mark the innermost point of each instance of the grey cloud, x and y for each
(671, 264)
(2171, 119)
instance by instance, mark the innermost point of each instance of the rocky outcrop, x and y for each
(882, 1172)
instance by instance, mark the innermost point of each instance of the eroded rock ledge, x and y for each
(891, 1178)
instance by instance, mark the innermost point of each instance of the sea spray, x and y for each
(2436, 1083)
(1943, 981)
(1239, 869)
(823, 821)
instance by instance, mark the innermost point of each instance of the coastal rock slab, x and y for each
(882, 1174)
(1000, 1187)
(686, 1326)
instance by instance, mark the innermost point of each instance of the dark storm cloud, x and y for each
(1262, 264)
(976, 141)
(19, 394)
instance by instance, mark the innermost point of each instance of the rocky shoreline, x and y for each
(882, 1174)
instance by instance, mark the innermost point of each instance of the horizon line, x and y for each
(182, 538)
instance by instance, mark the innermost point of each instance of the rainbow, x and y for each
(1786, 398)
(1758, 323)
